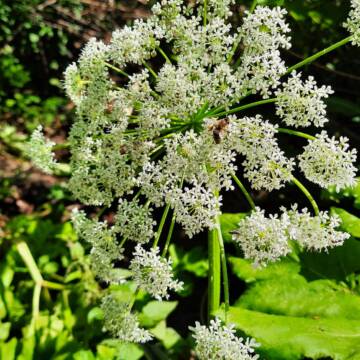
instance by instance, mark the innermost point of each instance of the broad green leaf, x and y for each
(349, 192)
(8, 350)
(168, 336)
(156, 311)
(123, 351)
(4, 330)
(27, 349)
(294, 296)
(84, 355)
(244, 270)
(229, 222)
(293, 338)
(350, 223)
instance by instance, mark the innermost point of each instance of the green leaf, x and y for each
(294, 296)
(293, 338)
(8, 350)
(230, 222)
(84, 355)
(156, 311)
(337, 263)
(4, 330)
(168, 336)
(244, 270)
(350, 223)
(349, 192)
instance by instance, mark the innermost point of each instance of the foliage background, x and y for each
(304, 307)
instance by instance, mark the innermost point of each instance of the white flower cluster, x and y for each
(262, 239)
(121, 323)
(266, 165)
(353, 22)
(329, 162)
(263, 33)
(315, 232)
(220, 342)
(300, 103)
(134, 221)
(39, 149)
(153, 273)
(161, 129)
(265, 239)
(105, 250)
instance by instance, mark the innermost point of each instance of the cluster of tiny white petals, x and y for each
(39, 150)
(329, 162)
(300, 103)
(353, 22)
(262, 239)
(153, 273)
(315, 232)
(263, 33)
(105, 250)
(121, 323)
(195, 208)
(265, 239)
(220, 342)
(134, 221)
(266, 165)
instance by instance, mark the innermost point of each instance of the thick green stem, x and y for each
(307, 194)
(214, 276)
(244, 107)
(223, 267)
(161, 225)
(323, 52)
(169, 236)
(205, 13)
(244, 191)
(253, 5)
(296, 133)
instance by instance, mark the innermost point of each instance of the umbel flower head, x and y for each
(158, 124)
(120, 322)
(220, 342)
(153, 273)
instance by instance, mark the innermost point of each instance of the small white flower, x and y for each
(301, 103)
(329, 162)
(121, 323)
(262, 239)
(353, 22)
(153, 273)
(40, 151)
(220, 342)
(315, 232)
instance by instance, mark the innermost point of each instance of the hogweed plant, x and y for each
(160, 122)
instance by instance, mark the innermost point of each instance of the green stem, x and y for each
(205, 12)
(53, 285)
(244, 191)
(296, 133)
(323, 52)
(163, 54)
(253, 5)
(161, 225)
(115, 68)
(247, 106)
(307, 194)
(169, 236)
(214, 276)
(29, 261)
(151, 71)
(223, 267)
(35, 305)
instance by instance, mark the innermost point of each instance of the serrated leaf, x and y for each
(156, 311)
(293, 338)
(229, 222)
